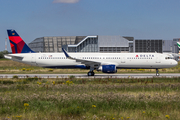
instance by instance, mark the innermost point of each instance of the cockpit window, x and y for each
(168, 57)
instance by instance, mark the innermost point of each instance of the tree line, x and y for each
(2, 53)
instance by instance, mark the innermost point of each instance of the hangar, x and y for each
(83, 44)
(104, 44)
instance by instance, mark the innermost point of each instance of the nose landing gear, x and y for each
(157, 72)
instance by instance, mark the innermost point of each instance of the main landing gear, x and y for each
(157, 72)
(90, 73)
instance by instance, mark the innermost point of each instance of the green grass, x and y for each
(71, 98)
(12, 67)
(2, 59)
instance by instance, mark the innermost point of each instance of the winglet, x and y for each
(66, 54)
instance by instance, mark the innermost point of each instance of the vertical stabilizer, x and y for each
(178, 43)
(17, 43)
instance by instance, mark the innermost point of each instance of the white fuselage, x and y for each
(121, 60)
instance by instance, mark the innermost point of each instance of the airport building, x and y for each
(170, 46)
(83, 44)
(104, 44)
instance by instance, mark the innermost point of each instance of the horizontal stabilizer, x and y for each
(12, 57)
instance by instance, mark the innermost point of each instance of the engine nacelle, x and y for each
(108, 68)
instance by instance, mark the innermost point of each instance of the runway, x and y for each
(130, 75)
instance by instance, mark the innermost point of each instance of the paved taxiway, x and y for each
(147, 75)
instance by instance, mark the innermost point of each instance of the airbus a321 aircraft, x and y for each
(105, 62)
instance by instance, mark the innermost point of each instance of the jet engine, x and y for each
(108, 68)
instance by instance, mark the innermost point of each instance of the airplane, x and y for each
(178, 43)
(105, 62)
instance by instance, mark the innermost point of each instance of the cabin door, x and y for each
(158, 60)
(33, 58)
(123, 60)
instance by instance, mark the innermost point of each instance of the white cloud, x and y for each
(66, 1)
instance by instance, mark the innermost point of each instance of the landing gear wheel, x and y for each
(157, 72)
(90, 73)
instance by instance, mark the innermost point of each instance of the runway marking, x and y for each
(147, 75)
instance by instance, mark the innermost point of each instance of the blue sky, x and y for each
(141, 19)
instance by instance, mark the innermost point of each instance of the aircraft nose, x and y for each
(174, 63)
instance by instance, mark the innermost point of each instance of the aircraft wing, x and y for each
(88, 63)
(93, 64)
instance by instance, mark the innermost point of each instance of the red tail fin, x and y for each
(17, 43)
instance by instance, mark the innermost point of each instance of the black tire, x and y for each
(89, 74)
(92, 74)
(157, 74)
